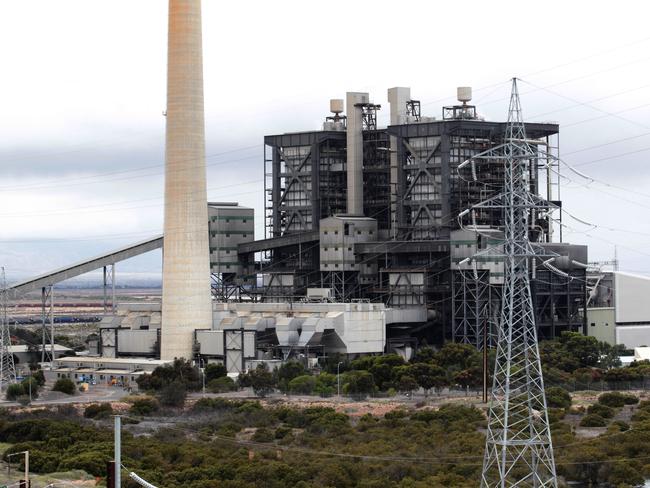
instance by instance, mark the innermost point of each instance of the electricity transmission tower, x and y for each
(7, 367)
(518, 448)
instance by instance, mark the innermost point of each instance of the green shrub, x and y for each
(214, 371)
(173, 394)
(358, 383)
(223, 384)
(603, 410)
(144, 406)
(65, 385)
(14, 391)
(622, 426)
(302, 384)
(616, 400)
(263, 435)
(593, 420)
(282, 432)
(557, 397)
(98, 411)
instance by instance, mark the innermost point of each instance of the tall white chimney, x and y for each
(186, 300)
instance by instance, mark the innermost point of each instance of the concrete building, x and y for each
(102, 371)
(186, 301)
(619, 309)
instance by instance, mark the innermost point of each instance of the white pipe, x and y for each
(140, 481)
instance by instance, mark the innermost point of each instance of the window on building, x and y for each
(336, 265)
(244, 221)
(370, 232)
(325, 232)
(227, 251)
(593, 324)
(346, 229)
(358, 232)
(324, 249)
(349, 249)
(244, 235)
(227, 235)
(336, 232)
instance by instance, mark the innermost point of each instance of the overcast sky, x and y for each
(82, 93)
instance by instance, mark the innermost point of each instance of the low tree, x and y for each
(65, 385)
(358, 383)
(287, 372)
(213, 371)
(223, 384)
(173, 394)
(14, 391)
(407, 384)
(304, 385)
(428, 376)
(558, 397)
(260, 379)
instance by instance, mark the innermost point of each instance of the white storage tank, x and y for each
(464, 94)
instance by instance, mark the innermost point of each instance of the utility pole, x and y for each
(518, 448)
(338, 380)
(118, 452)
(7, 366)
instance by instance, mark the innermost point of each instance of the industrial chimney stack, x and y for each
(186, 301)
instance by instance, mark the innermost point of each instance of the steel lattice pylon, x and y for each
(7, 366)
(518, 449)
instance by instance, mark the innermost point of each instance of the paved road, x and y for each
(95, 394)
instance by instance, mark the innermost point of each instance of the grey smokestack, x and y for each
(355, 151)
(186, 301)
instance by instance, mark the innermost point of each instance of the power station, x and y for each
(367, 237)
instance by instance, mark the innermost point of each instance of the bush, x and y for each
(603, 410)
(34, 384)
(263, 435)
(302, 384)
(14, 391)
(358, 383)
(260, 379)
(616, 400)
(180, 370)
(221, 385)
(622, 426)
(39, 376)
(593, 420)
(65, 385)
(558, 397)
(98, 411)
(214, 371)
(144, 406)
(173, 394)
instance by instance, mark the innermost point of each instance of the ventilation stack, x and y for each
(354, 112)
(186, 301)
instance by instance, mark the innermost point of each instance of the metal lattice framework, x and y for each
(7, 366)
(518, 449)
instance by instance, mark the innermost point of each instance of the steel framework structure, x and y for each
(7, 366)
(518, 449)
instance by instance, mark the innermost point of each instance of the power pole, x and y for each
(7, 366)
(518, 448)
